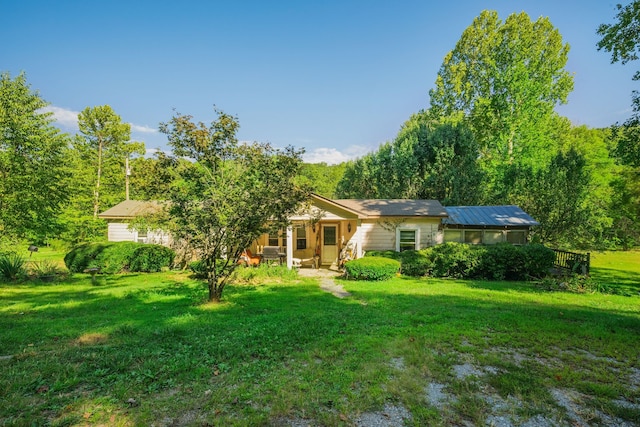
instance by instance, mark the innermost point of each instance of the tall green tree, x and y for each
(33, 157)
(106, 140)
(322, 178)
(232, 193)
(622, 40)
(555, 195)
(506, 78)
(427, 160)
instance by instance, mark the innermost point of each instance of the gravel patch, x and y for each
(436, 397)
(329, 285)
(397, 363)
(634, 379)
(568, 400)
(463, 371)
(626, 404)
(538, 421)
(391, 416)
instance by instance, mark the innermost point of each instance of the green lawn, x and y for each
(618, 268)
(144, 349)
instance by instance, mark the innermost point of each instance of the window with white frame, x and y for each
(278, 239)
(301, 237)
(407, 239)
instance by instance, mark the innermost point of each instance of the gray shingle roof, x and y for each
(394, 207)
(493, 216)
(130, 208)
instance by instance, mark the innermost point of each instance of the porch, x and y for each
(323, 244)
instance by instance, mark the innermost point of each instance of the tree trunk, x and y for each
(215, 290)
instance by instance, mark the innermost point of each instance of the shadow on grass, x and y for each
(161, 337)
(615, 277)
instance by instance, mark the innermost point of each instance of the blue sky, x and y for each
(336, 77)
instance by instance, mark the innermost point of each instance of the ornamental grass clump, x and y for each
(12, 266)
(372, 268)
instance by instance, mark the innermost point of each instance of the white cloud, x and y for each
(69, 119)
(66, 118)
(332, 156)
(142, 129)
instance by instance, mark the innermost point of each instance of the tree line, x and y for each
(490, 135)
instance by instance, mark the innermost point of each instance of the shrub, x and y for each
(415, 263)
(452, 259)
(115, 257)
(151, 258)
(538, 259)
(385, 254)
(372, 268)
(412, 263)
(500, 262)
(197, 268)
(12, 266)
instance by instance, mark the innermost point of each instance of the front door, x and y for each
(329, 244)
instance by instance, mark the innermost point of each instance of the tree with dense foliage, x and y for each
(106, 140)
(426, 160)
(622, 40)
(33, 169)
(322, 178)
(506, 78)
(230, 195)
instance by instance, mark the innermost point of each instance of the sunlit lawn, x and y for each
(620, 268)
(145, 349)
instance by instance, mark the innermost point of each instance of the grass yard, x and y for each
(144, 349)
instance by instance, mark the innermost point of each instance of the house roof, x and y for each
(496, 216)
(129, 209)
(393, 207)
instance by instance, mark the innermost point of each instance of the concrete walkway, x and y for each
(325, 277)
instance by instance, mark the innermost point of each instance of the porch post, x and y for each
(289, 247)
(358, 238)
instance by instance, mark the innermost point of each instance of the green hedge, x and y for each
(372, 268)
(116, 257)
(458, 260)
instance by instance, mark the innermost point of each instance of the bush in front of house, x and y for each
(116, 257)
(456, 260)
(502, 261)
(538, 259)
(372, 268)
(412, 263)
(151, 258)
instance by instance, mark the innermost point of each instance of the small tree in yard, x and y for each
(230, 195)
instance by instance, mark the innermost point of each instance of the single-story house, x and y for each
(119, 217)
(487, 224)
(332, 230)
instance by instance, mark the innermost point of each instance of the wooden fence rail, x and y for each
(572, 262)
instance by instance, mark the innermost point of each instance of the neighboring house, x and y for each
(487, 225)
(120, 216)
(329, 230)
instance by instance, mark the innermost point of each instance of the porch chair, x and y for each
(270, 254)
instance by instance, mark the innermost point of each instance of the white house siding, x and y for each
(376, 236)
(118, 232)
